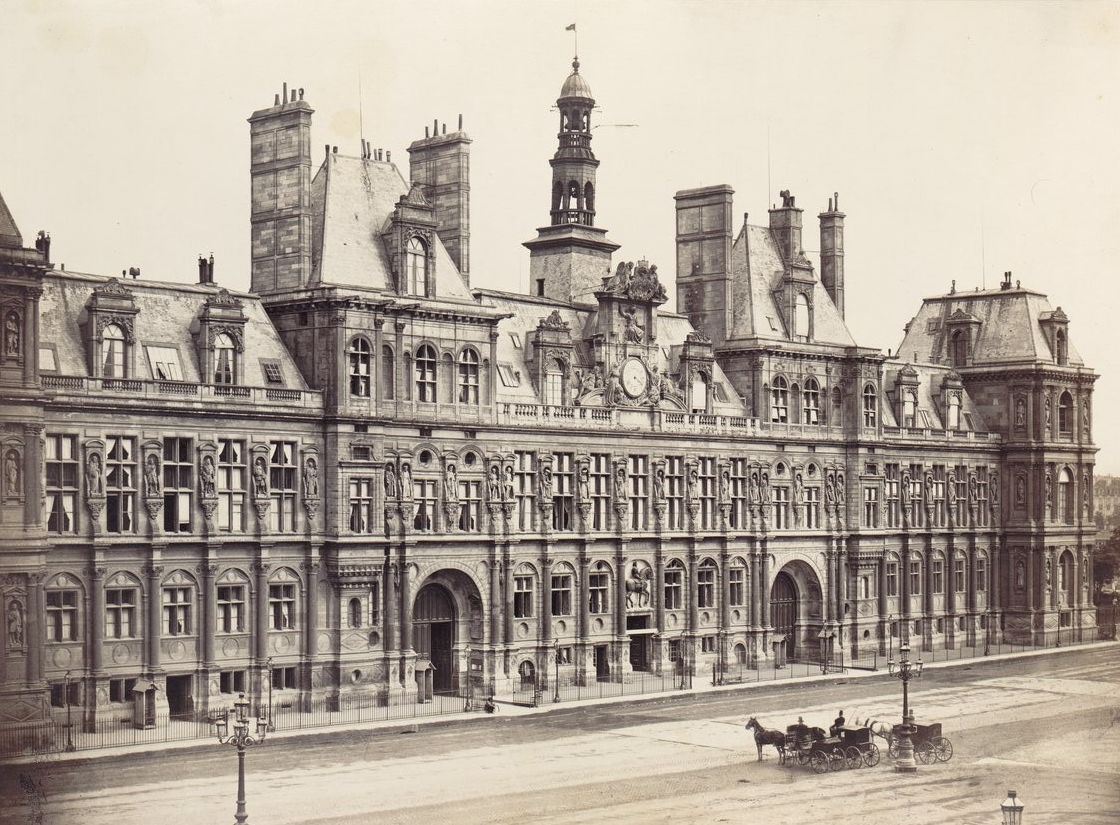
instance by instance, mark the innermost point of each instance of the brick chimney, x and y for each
(785, 223)
(832, 252)
(440, 163)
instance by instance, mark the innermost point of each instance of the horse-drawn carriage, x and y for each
(929, 745)
(849, 747)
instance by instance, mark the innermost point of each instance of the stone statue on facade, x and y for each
(635, 332)
(15, 624)
(659, 485)
(406, 481)
(725, 485)
(993, 489)
(260, 477)
(753, 489)
(12, 341)
(764, 483)
(619, 483)
(951, 488)
(1020, 413)
(95, 486)
(11, 474)
(494, 484)
(450, 484)
(545, 481)
(151, 476)
(583, 484)
(511, 487)
(207, 477)
(310, 478)
(839, 489)
(391, 489)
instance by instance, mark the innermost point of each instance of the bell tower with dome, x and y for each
(569, 258)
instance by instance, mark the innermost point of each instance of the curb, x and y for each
(516, 711)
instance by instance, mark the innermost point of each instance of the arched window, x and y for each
(1065, 496)
(1065, 414)
(837, 407)
(416, 266)
(527, 673)
(589, 198)
(1065, 578)
(954, 412)
(811, 402)
(870, 406)
(779, 401)
(112, 352)
(553, 383)
(388, 374)
(801, 318)
(468, 377)
(909, 408)
(1060, 353)
(959, 348)
(355, 612)
(674, 585)
(426, 374)
(224, 359)
(359, 368)
(706, 584)
(557, 195)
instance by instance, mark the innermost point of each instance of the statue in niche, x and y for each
(260, 477)
(12, 334)
(929, 488)
(951, 487)
(1020, 413)
(450, 484)
(904, 488)
(11, 473)
(840, 489)
(725, 485)
(692, 481)
(583, 484)
(1049, 573)
(993, 489)
(15, 624)
(511, 487)
(95, 484)
(659, 484)
(1049, 402)
(310, 478)
(635, 332)
(1021, 491)
(973, 488)
(764, 483)
(206, 477)
(391, 490)
(754, 492)
(1085, 417)
(406, 481)
(546, 483)
(830, 490)
(798, 489)
(1049, 489)
(1020, 574)
(619, 483)
(494, 484)
(151, 476)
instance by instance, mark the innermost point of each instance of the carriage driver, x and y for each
(837, 725)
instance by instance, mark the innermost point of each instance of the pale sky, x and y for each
(964, 139)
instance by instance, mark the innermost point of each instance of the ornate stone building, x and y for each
(366, 476)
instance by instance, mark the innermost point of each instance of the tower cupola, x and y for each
(574, 164)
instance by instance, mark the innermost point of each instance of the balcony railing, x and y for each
(130, 388)
(598, 418)
(927, 434)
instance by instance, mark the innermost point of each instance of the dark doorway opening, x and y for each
(180, 703)
(783, 612)
(433, 634)
(639, 652)
(602, 663)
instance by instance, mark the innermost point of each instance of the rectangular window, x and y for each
(891, 495)
(871, 507)
(674, 491)
(361, 505)
(424, 499)
(938, 576)
(284, 678)
(120, 485)
(470, 506)
(597, 590)
(982, 513)
(522, 597)
(120, 613)
(674, 584)
(639, 491)
(813, 508)
(281, 605)
(739, 517)
(939, 517)
(120, 690)
(892, 579)
(706, 587)
(706, 472)
(917, 510)
(176, 611)
(178, 485)
(707, 644)
(524, 468)
(230, 485)
(561, 595)
(232, 681)
(781, 508)
(272, 374)
(563, 492)
(600, 482)
(915, 578)
(282, 481)
(62, 483)
(164, 363)
(981, 575)
(62, 615)
(60, 698)
(674, 650)
(231, 608)
(961, 491)
(958, 576)
(553, 388)
(737, 586)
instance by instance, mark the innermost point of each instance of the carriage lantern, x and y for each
(1012, 809)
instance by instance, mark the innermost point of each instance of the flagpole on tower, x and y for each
(575, 34)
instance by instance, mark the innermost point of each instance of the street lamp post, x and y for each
(905, 670)
(987, 632)
(468, 705)
(69, 728)
(1012, 809)
(240, 738)
(890, 636)
(556, 692)
(268, 666)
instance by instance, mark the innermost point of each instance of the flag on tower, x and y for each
(571, 28)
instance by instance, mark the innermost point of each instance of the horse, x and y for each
(881, 729)
(767, 737)
(637, 589)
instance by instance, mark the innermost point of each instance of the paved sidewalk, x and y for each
(699, 687)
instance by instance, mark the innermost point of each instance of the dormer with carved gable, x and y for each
(550, 359)
(410, 239)
(906, 388)
(961, 332)
(1055, 326)
(951, 401)
(220, 341)
(696, 362)
(109, 331)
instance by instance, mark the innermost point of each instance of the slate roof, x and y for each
(9, 232)
(1009, 329)
(757, 269)
(352, 199)
(930, 412)
(168, 312)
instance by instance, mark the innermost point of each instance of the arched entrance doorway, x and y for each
(433, 633)
(783, 615)
(796, 613)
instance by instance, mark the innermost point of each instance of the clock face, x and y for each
(634, 377)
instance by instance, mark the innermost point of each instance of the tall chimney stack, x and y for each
(832, 252)
(785, 223)
(440, 163)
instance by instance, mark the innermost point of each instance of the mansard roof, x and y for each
(1009, 329)
(757, 270)
(931, 413)
(351, 201)
(167, 315)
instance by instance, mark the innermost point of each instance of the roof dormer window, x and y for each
(416, 266)
(225, 359)
(112, 352)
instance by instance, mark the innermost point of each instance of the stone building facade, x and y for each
(368, 477)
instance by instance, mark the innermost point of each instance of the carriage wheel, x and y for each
(871, 755)
(942, 749)
(924, 753)
(836, 760)
(853, 757)
(804, 757)
(819, 762)
(892, 748)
